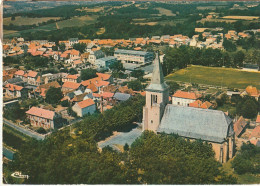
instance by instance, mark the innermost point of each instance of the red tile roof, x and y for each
(71, 85)
(256, 132)
(239, 125)
(252, 91)
(86, 103)
(107, 95)
(12, 87)
(19, 72)
(258, 119)
(43, 113)
(206, 105)
(96, 95)
(186, 95)
(76, 76)
(196, 104)
(32, 74)
(103, 76)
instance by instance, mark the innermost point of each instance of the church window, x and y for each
(151, 121)
(154, 99)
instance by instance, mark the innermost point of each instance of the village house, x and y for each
(184, 98)
(212, 126)
(94, 55)
(69, 86)
(32, 77)
(42, 89)
(258, 119)
(200, 104)
(43, 118)
(71, 78)
(84, 107)
(239, 126)
(105, 62)
(132, 56)
(73, 41)
(251, 91)
(16, 91)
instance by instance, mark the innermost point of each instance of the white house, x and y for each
(183, 98)
(105, 62)
(94, 55)
(84, 107)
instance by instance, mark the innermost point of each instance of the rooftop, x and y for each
(41, 113)
(86, 103)
(132, 52)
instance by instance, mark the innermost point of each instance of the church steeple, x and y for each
(157, 83)
(157, 97)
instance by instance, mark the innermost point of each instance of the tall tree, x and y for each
(54, 95)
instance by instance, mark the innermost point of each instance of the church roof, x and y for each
(157, 83)
(196, 123)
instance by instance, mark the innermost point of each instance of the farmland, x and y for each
(77, 21)
(19, 21)
(166, 12)
(241, 17)
(217, 76)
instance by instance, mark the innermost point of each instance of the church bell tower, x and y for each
(157, 97)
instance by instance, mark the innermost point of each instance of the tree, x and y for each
(73, 71)
(80, 47)
(173, 86)
(41, 130)
(238, 58)
(126, 147)
(55, 48)
(229, 45)
(62, 47)
(135, 85)
(54, 95)
(249, 109)
(12, 18)
(65, 103)
(137, 74)
(14, 112)
(88, 74)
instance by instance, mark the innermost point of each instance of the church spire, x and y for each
(157, 83)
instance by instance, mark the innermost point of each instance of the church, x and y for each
(159, 116)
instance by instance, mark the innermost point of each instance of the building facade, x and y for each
(133, 56)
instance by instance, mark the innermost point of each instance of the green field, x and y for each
(77, 21)
(166, 12)
(27, 20)
(217, 76)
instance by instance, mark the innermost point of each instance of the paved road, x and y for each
(24, 131)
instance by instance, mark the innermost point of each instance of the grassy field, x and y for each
(217, 20)
(166, 12)
(241, 17)
(77, 21)
(27, 20)
(217, 76)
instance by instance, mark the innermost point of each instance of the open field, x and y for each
(166, 12)
(27, 20)
(96, 9)
(147, 23)
(241, 17)
(217, 76)
(101, 31)
(77, 21)
(217, 20)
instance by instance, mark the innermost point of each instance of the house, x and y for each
(84, 107)
(69, 86)
(105, 62)
(252, 91)
(71, 78)
(19, 73)
(42, 89)
(94, 55)
(16, 91)
(32, 78)
(133, 56)
(255, 136)
(212, 126)
(183, 98)
(239, 126)
(200, 104)
(43, 118)
(73, 41)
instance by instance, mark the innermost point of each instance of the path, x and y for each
(27, 132)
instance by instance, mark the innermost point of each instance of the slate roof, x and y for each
(131, 52)
(196, 123)
(157, 83)
(121, 96)
(14, 80)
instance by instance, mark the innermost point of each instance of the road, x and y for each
(24, 131)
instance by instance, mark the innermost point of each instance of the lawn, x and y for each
(27, 20)
(241, 17)
(217, 76)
